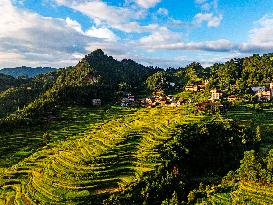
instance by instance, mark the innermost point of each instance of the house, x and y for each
(202, 86)
(170, 99)
(96, 102)
(191, 88)
(232, 98)
(216, 94)
(131, 98)
(256, 89)
(264, 95)
(149, 100)
(172, 84)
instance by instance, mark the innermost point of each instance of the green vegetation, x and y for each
(65, 124)
(7, 81)
(103, 159)
(58, 148)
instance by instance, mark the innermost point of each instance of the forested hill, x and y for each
(239, 74)
(26, 71)
(7, 81)
(118, 75)
(95, 76)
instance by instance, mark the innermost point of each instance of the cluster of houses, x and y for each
(196, 87)
(263, 94)
(130, 100)
(161, 101)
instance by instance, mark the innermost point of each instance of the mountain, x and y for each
(95, 76)
(26, 71)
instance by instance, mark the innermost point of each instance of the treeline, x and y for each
(236, 76)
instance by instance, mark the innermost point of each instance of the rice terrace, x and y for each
(136, 102)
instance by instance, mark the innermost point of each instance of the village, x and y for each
(215, 99)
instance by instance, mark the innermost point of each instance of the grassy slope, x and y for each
(102, 159)
(69, 122)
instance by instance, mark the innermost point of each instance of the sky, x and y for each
(164, 33)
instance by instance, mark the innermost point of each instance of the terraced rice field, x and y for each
(248, 192)
(102, 159)
(247, 116)
(69, 122)
(253, 193)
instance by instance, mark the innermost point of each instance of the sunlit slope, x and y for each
(101, 160)
(16, 144)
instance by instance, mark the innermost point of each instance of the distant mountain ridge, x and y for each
(26, 71)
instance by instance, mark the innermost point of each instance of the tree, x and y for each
(194, 72)
(156, 83)
(250, 166)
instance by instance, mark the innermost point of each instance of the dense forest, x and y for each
(58, 148)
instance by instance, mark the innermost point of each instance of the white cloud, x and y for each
(221, 45)
(211, 19)
(200, 1)
(260, 37)
(73, 24)
(121, 18)
(104, 33)
(206, 7)
(160, 38)
(263, 33)
(208, 4)
(167, 40)
(163, 11)
(34, 39)
(147, 3)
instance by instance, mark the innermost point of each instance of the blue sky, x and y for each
(161, 33)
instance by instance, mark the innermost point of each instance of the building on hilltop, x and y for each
(196, 87)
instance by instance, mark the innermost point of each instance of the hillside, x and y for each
(26, 71)
(7, 81)
(60, 149)
(95, 76)
(24, 93)
(104, 158)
